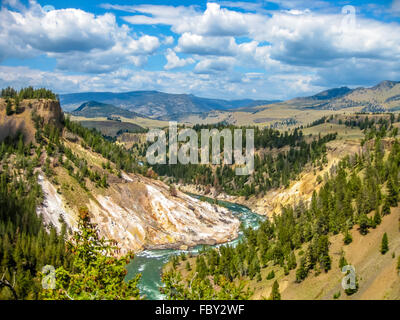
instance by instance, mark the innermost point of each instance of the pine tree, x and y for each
(393, 197)
(377, 217)
(386, 207)
(9, 108)
(271, 275)
(302, 271)
(275, 294)
(96, 272)
(364, 224)
(398, 265)
(292, 264)
(347, 238)
(384, 244)
(342, 261)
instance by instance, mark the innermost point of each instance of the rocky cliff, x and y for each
(135, 211)
(139, 213)
(20, 119)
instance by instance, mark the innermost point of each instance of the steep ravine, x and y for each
(140, 213)
(301, 189)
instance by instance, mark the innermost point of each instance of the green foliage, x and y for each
(28, 93)
(197, 288)
(271, 275)
(364, 224)
(350, 291)
(346, 197)
(9, 111)
(275, 294)
(347, 238)
(386, 207)
(342, 261)
(116, 154)
(271, 169)
(377, 217)
(393, 192)
(302, 271)
(398, 265)
(96, 273)
(385, 243)
(26, 245)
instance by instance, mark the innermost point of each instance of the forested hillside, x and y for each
(27, 241)
(358, 194)
(279, 158)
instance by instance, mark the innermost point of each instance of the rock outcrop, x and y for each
(49, 110)
(140, 213)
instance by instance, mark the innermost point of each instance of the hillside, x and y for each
(94, 109)
(79, 168)
(381, 97)
(304, 110)
(330, 217)
(155, 104)
(20, 120)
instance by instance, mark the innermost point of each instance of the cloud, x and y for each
(202, 45)
(358, 72)
(168, 40)
(173, 61)
(396, 7)
(221, 64)
(247, 6)
(300, 47)
(80, 41)
(156, 14)
(124, 52)
(228, 85)
(214, 21)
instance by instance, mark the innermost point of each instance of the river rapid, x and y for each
(150, 262)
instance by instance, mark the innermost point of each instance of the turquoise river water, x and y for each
(150, 262)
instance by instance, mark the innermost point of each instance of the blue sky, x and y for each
(275, 49)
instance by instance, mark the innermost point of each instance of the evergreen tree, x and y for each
(386, 207)
(392, 197)
(302, 271)
(96, 274)
(342, 262)
(271, 275)
(377, 217)
(275, 294)
(384, 244)
(9, 108)
(347, 238)
(364, 224)
(398, 265)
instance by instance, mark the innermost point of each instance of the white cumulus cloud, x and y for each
(173, 61)
(80, 41)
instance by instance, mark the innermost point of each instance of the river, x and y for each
(150, 262)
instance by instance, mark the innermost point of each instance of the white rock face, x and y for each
(141, 213)
(52, 208)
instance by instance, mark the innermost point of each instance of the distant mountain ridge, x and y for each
(385, 96)
(94, 109)
(331, 93)
(156, 104)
